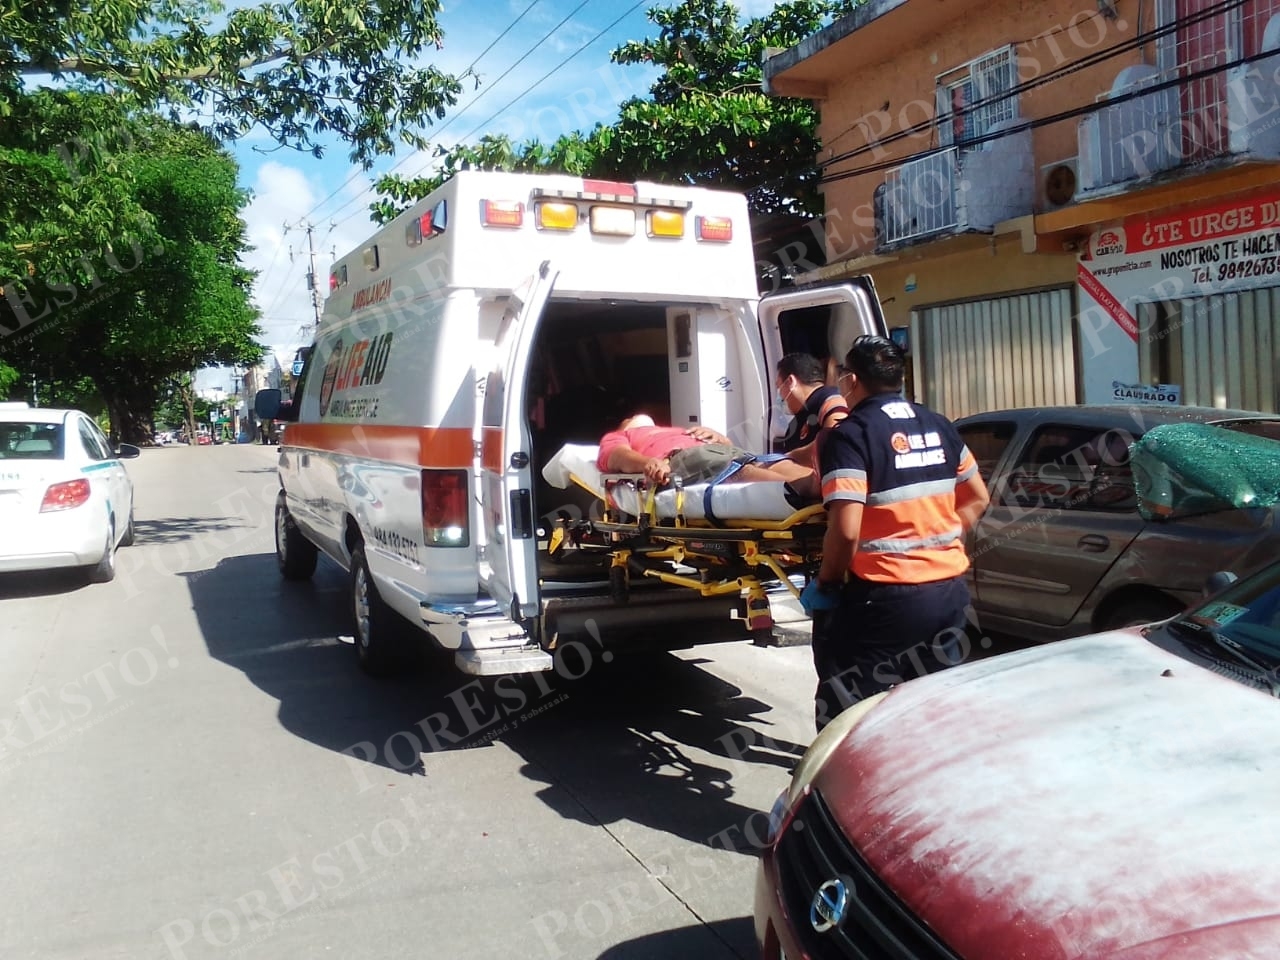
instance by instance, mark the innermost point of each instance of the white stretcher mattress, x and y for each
(758, 500)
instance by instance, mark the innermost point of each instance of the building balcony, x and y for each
(959, 190)
(1152, 121)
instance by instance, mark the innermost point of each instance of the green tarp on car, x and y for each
(1182, 469)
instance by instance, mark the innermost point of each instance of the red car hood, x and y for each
(1092, 798)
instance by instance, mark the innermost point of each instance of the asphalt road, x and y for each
(191, 765)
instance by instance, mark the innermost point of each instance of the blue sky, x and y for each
(291, 187)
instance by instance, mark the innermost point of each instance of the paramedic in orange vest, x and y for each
(901, 491)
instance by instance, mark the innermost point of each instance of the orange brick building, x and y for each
(1061, 200)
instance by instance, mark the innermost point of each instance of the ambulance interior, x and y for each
(596, 362)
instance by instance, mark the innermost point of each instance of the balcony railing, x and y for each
(920, 197)
(960, 188)
(1204, 108)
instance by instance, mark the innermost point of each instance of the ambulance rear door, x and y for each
(509, 568)
(823, 320)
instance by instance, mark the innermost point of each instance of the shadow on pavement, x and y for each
(41, 583)
(723, 938)
(177, 529)
(621, 742)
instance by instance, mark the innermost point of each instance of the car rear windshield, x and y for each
(24, 440)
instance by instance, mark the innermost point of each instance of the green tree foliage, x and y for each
(706, 121)
(353, 68)
(160, 299)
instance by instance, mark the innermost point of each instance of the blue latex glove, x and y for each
(813, 598)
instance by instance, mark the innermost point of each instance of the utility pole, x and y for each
(313, 281)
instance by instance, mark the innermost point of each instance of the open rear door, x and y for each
(509, 570)
(822, 319)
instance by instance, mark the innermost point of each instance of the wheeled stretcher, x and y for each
(716, 538)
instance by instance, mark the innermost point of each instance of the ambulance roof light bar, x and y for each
(609, 196)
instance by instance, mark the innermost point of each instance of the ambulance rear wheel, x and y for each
(295, 554)
(379, 632)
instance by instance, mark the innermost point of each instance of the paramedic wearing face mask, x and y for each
(802, 388)
(901, 490)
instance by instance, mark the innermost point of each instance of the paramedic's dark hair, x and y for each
(803, 366)
(878, 363)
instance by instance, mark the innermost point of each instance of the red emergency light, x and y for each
(501, 213)
(716, 229)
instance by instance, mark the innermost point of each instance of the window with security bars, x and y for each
(973, 99)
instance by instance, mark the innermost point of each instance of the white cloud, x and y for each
(283, 196)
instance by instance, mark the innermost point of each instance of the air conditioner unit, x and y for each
(1059, 182)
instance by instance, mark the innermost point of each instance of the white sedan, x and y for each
(65, 498)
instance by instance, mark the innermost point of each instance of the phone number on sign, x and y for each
(1263, 267)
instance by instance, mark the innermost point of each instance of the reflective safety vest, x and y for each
(902, 461)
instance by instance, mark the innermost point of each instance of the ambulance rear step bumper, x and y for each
(674, 619)
(502, 660)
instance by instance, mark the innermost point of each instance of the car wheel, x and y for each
(1137, 613)
(295, 554)
(379, 633)
(129, 533)
(104, 571)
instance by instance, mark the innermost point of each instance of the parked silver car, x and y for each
(1063, 550)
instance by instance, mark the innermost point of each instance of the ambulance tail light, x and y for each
(445, 508)
(715, 229)
(65, 496)
(501, 213)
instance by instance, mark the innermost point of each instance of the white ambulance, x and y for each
(497, 320)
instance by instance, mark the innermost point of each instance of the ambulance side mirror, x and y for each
(266, 404)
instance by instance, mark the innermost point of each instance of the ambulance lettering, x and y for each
(359, 364)
(368, 296)
(917, 449)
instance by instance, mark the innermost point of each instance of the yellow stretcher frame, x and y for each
(755, 544)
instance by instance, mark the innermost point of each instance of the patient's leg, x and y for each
(778, 471)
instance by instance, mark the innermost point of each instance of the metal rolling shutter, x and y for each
(1014, 351)
(1220, 348)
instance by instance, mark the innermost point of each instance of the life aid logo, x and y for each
(918, 450)
(1108, 242)
(359, 364)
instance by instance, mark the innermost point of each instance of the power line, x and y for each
(274, 259)
(351, 178)
(561, 65)
(1073, 113)
(564, 63)
(1102, 56)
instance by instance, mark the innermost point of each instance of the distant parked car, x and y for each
(1063, 550)
(65, 498)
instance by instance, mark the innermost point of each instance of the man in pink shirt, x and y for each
(695, 455)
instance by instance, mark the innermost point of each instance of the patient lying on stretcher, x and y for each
(696, 455)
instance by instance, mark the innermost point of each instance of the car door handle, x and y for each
(1094, 543)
